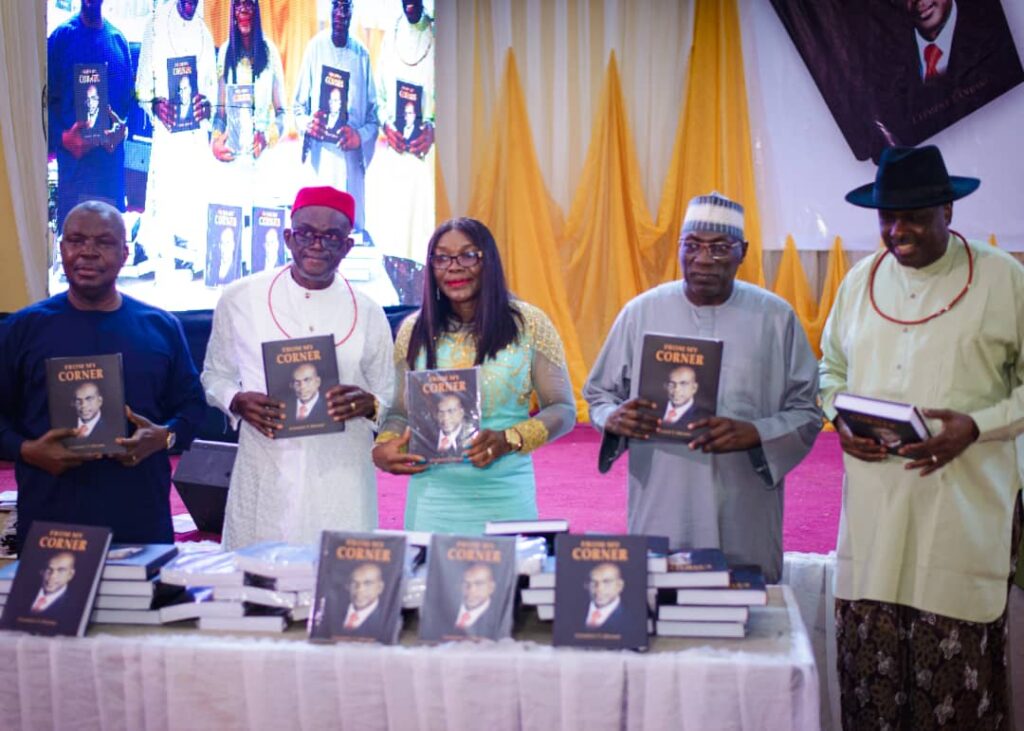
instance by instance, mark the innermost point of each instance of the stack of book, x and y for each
(539, 591)
(129, 589)
(278, 580)
(701, 596)
(8, 523)
(130, 592)
(198, 570)
(6, 580)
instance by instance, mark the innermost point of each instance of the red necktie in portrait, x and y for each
(932, 54)
(350, 623)
(303, 411)
(446, 442)
(595, 619)
(463, 620)
(40, 603)
(673, 414)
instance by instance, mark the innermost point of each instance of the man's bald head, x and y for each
(104, 212)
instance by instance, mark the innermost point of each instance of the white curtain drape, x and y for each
(562, 47)
(22, 64)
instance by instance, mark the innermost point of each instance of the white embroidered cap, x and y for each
(714, 213)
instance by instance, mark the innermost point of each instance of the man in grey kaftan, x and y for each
(725, 488)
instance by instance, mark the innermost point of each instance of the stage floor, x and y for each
(569, 486)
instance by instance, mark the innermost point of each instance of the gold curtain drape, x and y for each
(712, 147)
(608, 225)
(511, 198)
(791, 285)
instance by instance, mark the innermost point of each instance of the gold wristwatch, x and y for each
(514, 439)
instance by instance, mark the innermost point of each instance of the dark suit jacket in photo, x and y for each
(486, 625)
(692, 414)
(318, 412)
(614, 624)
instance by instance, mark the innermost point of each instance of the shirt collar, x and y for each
(944, 41)
(606, 610)
(361, 614)
(474, 613)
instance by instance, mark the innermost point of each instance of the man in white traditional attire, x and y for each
(292, 489)
(179, 162)
(723, 489)
(400, 207)
(339, 157)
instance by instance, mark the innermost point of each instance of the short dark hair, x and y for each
(497, 323)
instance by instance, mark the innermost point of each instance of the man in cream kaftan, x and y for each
(292, 489)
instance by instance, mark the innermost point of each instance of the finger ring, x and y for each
(352, 406)
(935, 460)
(490, 452)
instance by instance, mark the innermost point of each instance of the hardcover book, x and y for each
(240, 118)
(333, 101)
(444, 412)
(665, 628)
(57, 579)
(87, 393)
(889, 423)
(223, 244)
(691, 613)
(299, 374)
(696, 567)
(680, 376)
(277, 560)
(182, 87)
(7, 574)
(202, 568)
(601, 591)
(139, 561)
(358, 588)
(471, 585)
(408, 110)
(91, 99)
(268, 249)
(746, 588)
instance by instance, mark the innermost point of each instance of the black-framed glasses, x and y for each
(246, 4)
(718, 251)
(467, 259)
(76, 242)
(333, 239)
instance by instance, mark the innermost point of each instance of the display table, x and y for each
(178, 678)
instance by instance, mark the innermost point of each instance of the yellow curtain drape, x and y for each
(442, 208)
(608, 224)
(835, 270)
(791, 285)
(511, 198)
(712, 146)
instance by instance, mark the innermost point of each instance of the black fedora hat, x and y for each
(911, 177)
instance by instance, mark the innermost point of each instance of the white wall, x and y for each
(805, 167)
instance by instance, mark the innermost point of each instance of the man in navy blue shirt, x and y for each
(129, 492)
(88, 168)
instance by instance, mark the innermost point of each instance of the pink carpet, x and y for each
(569, 486)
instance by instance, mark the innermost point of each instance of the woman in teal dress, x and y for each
(468, 318)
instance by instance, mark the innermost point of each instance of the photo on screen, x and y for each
(182, 114)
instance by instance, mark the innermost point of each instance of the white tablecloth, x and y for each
(810, 575)
(169, 679)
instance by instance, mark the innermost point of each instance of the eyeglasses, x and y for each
(717, 251)
(103, 244)
(245, 4)
(467, 259)
(333, 240)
